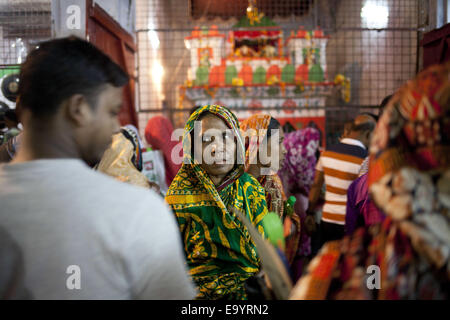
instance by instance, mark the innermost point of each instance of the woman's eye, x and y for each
(207, 139)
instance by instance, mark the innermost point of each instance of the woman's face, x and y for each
(276, 151)
(218, 146)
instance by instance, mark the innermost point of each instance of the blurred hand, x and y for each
(310, 225)
(267, 280)
(154, 187)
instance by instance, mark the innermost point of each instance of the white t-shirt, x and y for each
(80, 228)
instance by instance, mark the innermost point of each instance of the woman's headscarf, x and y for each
(133, 129)
(409, 168)
(158, 133)
(219, 251)
(232, 122)
(123, 159)
(255, 128)
(409, 179)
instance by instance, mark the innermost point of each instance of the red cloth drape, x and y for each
(158, 134)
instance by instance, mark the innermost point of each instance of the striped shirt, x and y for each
(340, 164)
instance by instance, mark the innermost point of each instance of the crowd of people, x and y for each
(73, 195)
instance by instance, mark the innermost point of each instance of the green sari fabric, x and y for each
(219, 250)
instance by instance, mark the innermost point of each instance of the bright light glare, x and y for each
(157, 74)
(153, 36)
(157, 71)
(375, 15)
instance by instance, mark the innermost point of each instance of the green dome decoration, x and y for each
(288, 74)
(201, 76)
(230, 73)
(259, 76)
(316, 73)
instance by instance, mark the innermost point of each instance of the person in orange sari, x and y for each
(264, 154)
(407, 255)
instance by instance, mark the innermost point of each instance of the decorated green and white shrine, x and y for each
(255, 67)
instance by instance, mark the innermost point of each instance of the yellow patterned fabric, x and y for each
(117, 162)
(255, 128)
(219, 250)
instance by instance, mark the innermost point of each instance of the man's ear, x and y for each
(78, 110)
(367, 137)
(368, 133)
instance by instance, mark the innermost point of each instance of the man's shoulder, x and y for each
(125, 191)
(346, 149)
(122, 205)
(110, 195)
(83, 196)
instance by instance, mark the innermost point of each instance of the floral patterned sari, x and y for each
(297, 174)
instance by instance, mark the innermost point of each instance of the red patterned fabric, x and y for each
(409, 179)
(256, 34)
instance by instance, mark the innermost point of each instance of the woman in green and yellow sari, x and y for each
(220, 253)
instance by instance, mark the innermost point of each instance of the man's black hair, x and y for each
(365, 126)
(385, 101)
(288, 127)
(11, 115)
(60, 68)
(273, 124)
(370, 115)
(384, 104)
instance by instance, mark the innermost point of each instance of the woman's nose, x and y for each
(116, 126)
(217, 146)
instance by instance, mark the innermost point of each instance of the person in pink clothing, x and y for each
(158, 133)
(297, 174)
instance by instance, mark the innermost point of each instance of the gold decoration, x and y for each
(237, 82)
(344, 82)
(283, 88)
(211, 91)
(273, 80)
(252, 13)
(181, 97)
